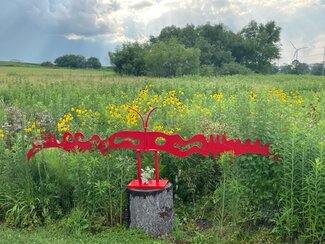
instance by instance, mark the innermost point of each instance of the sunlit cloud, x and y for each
(96, 25)
(75, 37)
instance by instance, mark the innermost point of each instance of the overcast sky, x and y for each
(40, 30)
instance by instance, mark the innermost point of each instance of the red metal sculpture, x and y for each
(144, 141)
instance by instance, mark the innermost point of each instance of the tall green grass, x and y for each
(239, 194)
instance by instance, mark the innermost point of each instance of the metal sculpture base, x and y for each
(152, 210)
(152, 184)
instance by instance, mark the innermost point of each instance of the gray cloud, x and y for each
(37, 30)
(82, 17)
(85, 17)
(142, 4)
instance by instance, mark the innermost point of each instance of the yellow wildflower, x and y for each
(218, 96)
(155, 98)
(280, 94)
(63, 123)
(131, 118)
(299, 100)
(252, 96)
(28, 130)
(34, 126)
(204, 111)
(168, 132)
(160, 140)
(158, 127)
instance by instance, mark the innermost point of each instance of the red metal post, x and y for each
(156, 167)
(139, 166)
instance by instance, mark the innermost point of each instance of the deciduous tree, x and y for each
(170, 59)
(93, 63)
(71, 61)
(129, 59)
(261, 45)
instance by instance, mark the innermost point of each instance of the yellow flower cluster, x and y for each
(252, 96)
(299, 100)
(122, 113)
(154, 99)
(293, 96)
(88, 113)
(172, 100)
(33, 126)
(64, 122)
(1, 133)
(113, 111)
(144, 101)
(280, 94)
(218, 96)
(81, 117)
(131, 118)
(204, 111)
(159, 127)
(141, 98)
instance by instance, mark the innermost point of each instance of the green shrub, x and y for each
(47, 64)
(233, 69)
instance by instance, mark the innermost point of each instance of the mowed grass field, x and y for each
(243, 198)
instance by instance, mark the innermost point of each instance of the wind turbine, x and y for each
(295, 55)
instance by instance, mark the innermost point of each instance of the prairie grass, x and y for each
(282, 194)
(52, 235)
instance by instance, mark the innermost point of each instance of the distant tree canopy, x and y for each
(77, 61)
(47, 64)
(71, 61)
(302, 68)
(93, 63)
(297, 68)
(317, 69)
(208, 48)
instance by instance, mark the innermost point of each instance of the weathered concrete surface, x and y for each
(152, 210)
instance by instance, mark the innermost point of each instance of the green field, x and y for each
(231, 199)
(43, 235)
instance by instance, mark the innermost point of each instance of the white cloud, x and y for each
(315, 50)
(123, 39)
(75, 37)
(104, 22)
(142, 4)
(290, 7)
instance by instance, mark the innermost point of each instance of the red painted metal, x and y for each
(156, 167)
(173, 144)
(152, 184)
(139, 167)
(144, 141)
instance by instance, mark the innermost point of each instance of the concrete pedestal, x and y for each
(152, 210)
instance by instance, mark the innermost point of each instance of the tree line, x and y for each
(206, 50)
(74, 61)
(299, 68)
